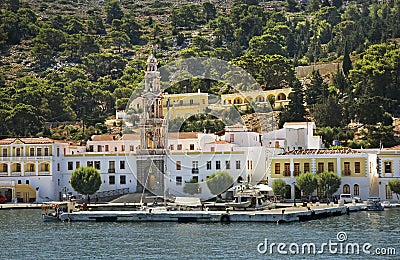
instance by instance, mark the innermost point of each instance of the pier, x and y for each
(281, 215)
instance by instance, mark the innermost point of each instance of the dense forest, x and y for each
(80, 60)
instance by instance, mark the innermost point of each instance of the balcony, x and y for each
(111, 170)
(16, 174)
(24, 158)
(44, 173)
(286, 173)
(3, 174)
(30, 173)
(195, 170)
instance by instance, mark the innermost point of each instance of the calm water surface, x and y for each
(24, 236)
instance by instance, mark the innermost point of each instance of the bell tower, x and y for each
(152, 130)
(151, 164)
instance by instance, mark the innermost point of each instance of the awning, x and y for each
(187, 201)
(263, 187)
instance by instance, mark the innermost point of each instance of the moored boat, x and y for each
(52, 210)
(386, 204)
(374, 204)
(250, 199)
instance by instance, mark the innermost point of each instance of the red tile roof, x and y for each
(28, 140)
(103, 137)
(397, 147)
(322, 151)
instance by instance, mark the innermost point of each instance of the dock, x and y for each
(20, 206)
(292, 214)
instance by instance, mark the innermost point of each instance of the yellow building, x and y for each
(25, 156)
(354, 167)
(180, 105)
(280, 97)
(27, 165)
(186, 104)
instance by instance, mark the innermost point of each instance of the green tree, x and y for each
(307, 183)
(85, 180)
(295, 111)
(210, 12)
(316, 89)
(267, 44)
(95, 25)
(329, 182)
(132, 29)
(102, 64)
(113, 11)
(375, 80)
(328, 113)
(347, 64)
(292, 6)
(219, 182)
(394, 186)
(379, 136)
(185, 15)
(279, 187)
(337, 3)
(180, 39)
(191, 187)
(119, 39)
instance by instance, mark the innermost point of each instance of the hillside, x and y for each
(66, 61)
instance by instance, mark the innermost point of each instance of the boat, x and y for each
(250, 199)
(241, 204)
(387, 204)
(374, 204)
(52, 210)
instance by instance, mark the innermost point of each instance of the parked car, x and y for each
(346, 198)
(3, 199)
(357, 199)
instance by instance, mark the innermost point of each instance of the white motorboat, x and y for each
(250, 199)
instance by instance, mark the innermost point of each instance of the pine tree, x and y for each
(317, 89)
(295, 111)
(347, 64)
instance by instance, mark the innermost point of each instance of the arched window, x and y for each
(356, 190)
(237, 100)
(346, 189)
(281, 96)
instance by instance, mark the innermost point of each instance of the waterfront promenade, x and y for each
(20, 206)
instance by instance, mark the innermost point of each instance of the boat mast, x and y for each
(166, 152)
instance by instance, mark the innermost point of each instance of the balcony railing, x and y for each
(30, 173)
(44, 173)
(111, 170)
(195, 170)
(24, 158)
(286, 173)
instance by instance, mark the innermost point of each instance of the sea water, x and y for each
(23, 235)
